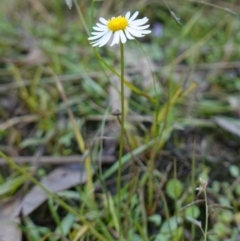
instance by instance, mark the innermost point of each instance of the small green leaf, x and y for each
(237, 190)
(216, 186)
(170, 225)
(224, 201)
(226, 216)
(178, 234)
(32, 231)
(66, 224)
(161, 237)
(234, 171)
(156, 219)
(11, 185)
(193, 212)
(221, 230)
(174, 188)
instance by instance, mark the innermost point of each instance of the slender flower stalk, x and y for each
(121, 136)
(203, 188)
(119, 30)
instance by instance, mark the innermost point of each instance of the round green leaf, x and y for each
(192, 211)
(170, 225)
(174, 188)
(161, 237)
(237, 190)
(234, 171)
(226, 216)
(156, 219)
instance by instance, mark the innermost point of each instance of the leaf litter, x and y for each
(60, 179)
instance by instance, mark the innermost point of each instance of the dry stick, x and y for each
(39, 7)
(73, 77)
(131, 118)
(185, 54)
(21, 119)
(191, 204)
(78, 136)
(57, 160)
(65, 78)
(215, 6)
(34, 118)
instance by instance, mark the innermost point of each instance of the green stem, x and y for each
(121, 137)
(206, 213)
(81, 17)
(193, 168)
(92, 12)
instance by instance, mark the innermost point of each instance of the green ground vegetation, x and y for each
(180, 173)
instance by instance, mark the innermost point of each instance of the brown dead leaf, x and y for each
(34, 54)
(10, 208)
(114, 94)
(229, 124)
(234, 102)
(35, 57)
(9, 230)
(143, 65)
(60, 179)
(112, 128)
(9, 211)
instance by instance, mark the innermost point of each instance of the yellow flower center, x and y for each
(118, 23)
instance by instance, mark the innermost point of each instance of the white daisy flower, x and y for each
(120, 28)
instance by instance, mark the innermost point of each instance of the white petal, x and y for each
(100, 29)
(94, 37)
(97, 36)
(101, 25)
(139, 27)
(129, 36)
(135, 33)
(127, 15)
(138, 31)
(105, 38)
(103, 20)
(123, 37)
(97, 42)
(138, 22)
(101, 40)
(134, 16)
(116, 38)
(94, 44)
(98, 33)
(145, 31)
